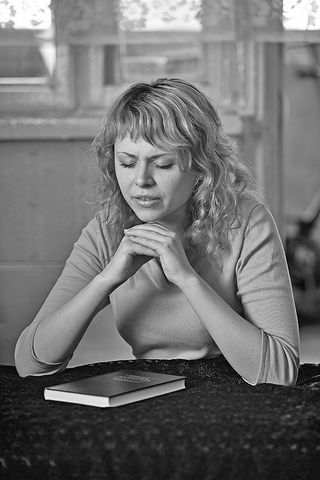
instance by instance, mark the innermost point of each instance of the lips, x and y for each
(146, 200)
(145, 197)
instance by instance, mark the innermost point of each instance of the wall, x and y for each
(43, 209)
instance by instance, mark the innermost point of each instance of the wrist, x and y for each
(188, 280)
(106, 281)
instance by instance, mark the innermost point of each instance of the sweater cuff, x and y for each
(261, 369)
(52, 366)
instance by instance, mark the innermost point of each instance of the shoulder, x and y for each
(97, 226)
(250, 210)
(258, 234)
(255, 224)
(95, 236)
(253, 215)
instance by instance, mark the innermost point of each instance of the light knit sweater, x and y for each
(156, 319)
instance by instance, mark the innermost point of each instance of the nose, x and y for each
(144, 176)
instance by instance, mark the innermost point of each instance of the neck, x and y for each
(178, 221)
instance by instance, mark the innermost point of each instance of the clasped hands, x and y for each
(164, 244)
(143, 242)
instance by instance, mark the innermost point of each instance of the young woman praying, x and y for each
(183, 248)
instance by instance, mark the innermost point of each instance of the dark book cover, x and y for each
(116, 388)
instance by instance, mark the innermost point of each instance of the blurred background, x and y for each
(62, 62)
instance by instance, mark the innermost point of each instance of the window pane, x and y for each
(27, 48)
(148, 61)
(146, 51)
(301, 14)
(164, 15)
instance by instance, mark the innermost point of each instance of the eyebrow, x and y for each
(153, 157)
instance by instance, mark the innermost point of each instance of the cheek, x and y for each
(122, 180)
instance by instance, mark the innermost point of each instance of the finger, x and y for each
(166, 230)
(137, 248)
(159, 241)
(151, 239)
(149, 244)
(150, 227)
(158, 224)
(155, 236)
(149, 233)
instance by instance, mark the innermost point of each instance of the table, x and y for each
(218, 428)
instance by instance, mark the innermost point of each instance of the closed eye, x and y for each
(127, 165)
(132, 164)
(165, 167)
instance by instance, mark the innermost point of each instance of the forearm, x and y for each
(58, 335)
(238, 340)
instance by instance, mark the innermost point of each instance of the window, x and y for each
(34, 69)
(77, 55)
(170, 38)
(301, 14)
(160, 39)
(27, 44)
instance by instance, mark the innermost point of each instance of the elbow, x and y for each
(21, 359)
(24, 365)
(288, 368)
(281, 362)
(23, 371)
(287, 379)
(22, 368)
(28, 365)
(290, 379)
(29, 368)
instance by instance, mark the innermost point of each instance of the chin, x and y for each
(148, 217)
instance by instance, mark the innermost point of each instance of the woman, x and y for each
(183, 249)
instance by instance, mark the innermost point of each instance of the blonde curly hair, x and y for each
(175, 115)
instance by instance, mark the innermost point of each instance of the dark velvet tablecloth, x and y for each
(218, 428)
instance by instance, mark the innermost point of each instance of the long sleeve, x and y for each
(264, 288)
(89, 256)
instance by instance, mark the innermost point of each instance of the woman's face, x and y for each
(152, 182)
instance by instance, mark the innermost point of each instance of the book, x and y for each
(114, 389)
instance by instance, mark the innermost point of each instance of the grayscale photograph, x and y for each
(160, 239)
